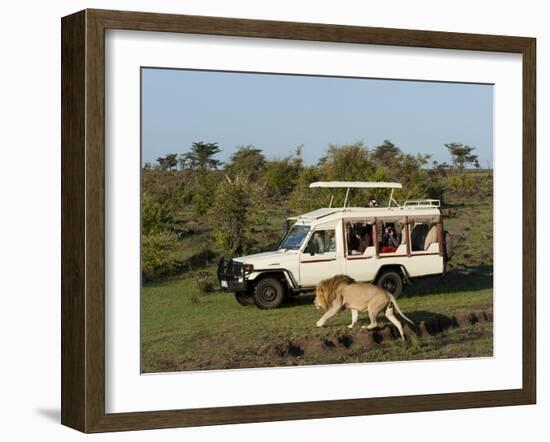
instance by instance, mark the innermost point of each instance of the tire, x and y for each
(244, 298)
(391, 281)
(269, 293)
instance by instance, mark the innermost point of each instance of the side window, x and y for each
(321, 241)
(391, 234)
(359, 236)
(424, 233)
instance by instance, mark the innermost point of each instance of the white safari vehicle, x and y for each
(389, 246)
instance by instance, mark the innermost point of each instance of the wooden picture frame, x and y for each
(83, 220)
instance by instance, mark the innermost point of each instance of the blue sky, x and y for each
(279, 112)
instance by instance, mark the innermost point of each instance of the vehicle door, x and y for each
(318, 259)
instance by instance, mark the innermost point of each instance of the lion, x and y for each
(341, 291)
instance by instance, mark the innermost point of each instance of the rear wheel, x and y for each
(269, 293)
(244, 298)
(391, 281)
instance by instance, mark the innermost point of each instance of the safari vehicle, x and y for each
(390, 246)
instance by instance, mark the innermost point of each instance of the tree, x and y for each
(461, 155)
(201, 157)
(302, 198)
(281, 174)
(347, 163)
(248, 160)
(385, 154)
(168, 162)
(235, 209)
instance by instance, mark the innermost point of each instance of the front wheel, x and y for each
(391, 281)
(269, 293)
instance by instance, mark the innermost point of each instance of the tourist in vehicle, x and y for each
(362, 240)
(390, 239)
(318, 242)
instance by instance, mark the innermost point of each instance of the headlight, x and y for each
(247, 268)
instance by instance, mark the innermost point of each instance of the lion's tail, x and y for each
(394, 302)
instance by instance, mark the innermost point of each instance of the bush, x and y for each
(155, 217)
(202, 285)
(171, 190)
(157, 254)
(204, 191)
(462, 183)
(281, 174)
(205, 284)
(304, 199)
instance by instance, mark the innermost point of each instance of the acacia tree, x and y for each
(168, 162)
(247, 159)
(385, 154)
(461, 155)
(201, 157)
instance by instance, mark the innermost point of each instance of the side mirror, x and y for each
(310, 249)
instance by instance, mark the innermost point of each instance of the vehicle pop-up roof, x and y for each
(357, 185)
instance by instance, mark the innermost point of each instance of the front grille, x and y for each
(231, 272)
(234, 268)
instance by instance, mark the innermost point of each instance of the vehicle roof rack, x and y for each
(412, 204)
(358, 185)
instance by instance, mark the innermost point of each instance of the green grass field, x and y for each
(182, 331)
(187, 325)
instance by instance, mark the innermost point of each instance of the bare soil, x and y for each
(351, 345)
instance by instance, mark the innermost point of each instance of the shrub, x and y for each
(281, 174)
(204, 191)
(202, 285)
(205, 284)
(462, 183)
(155, 217)
(157, 254)
(304, 199)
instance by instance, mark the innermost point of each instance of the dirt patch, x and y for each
(359, 340)
(340, 345)
(288, 349)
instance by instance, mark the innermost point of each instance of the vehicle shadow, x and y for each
(302, 299)
(470, 278)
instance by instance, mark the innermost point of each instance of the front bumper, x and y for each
(231, 276)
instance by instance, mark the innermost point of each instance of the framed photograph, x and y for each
(270, 220)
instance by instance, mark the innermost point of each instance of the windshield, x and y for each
(294, 238)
